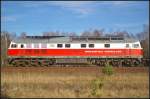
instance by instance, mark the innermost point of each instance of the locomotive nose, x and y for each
(141, 52)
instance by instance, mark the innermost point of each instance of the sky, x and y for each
(36, 17)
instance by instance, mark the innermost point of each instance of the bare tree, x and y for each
(51, 33)
(72, 34)
(132, 35)
(98, 33)
(45, 34)
(23, 35)
(64, 34)
(86, 33)
(94, 32)
(57, 33)
(6, 38)
(145, 40)
(122, 34)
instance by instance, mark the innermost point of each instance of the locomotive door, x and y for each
(128, 50)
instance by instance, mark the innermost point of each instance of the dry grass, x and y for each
(49, 85)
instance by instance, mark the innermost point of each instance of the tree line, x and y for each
(143, 36)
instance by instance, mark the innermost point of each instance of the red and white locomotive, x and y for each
(49, 50)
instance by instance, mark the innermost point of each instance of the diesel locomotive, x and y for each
(50, 50)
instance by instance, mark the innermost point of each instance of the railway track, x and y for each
(93, 69)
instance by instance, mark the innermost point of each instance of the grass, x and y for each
(57, 85)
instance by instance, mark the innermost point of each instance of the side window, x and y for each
(13, 45)
(29, 45)
(107, 45)
(22, 46)
(135, 45)
(36, 45)
(83, 45)
(43, 45)
(51, 45)
(67, 45)
(127, 45)
(59, 45)
(91, 45)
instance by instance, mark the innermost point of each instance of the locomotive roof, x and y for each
(63, 39)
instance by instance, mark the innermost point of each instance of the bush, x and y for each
(108, 69)
(97, 85)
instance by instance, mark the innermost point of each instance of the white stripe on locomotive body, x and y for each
(78, 46)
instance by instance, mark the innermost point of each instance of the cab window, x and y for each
(13, 45)
(135, 45)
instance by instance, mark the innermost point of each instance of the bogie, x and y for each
(46, 62)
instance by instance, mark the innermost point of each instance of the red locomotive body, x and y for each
(76, 52)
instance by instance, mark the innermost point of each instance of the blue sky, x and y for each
(36, 17)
